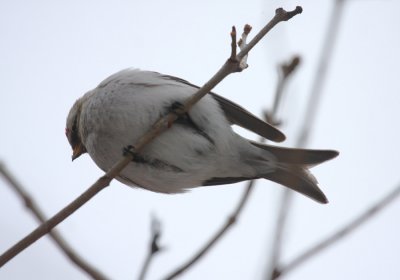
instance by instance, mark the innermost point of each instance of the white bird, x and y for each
(200, 149)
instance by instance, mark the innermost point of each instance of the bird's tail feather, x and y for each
(304, 157)
(298, 179)
(292, 168)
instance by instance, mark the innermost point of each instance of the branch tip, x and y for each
(242, 43)
(232, 58)
(247, 28)
(156, 232)
(233, 32)
(285, 15)
(154, 248)
(288, 68)
(299, 9)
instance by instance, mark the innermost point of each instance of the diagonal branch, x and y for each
(54, 234)
(280, 15)
(246, 194)
(343, 232)
(160, 126)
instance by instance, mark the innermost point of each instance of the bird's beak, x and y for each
(77, 151)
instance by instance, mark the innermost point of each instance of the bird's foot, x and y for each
(177, 108)
(130, 150)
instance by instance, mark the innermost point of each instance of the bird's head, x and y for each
(72, 130)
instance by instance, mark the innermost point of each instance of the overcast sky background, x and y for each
(52, 52)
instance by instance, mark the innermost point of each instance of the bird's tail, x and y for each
(298, 179)
(292, 170)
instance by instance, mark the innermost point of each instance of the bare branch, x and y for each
(341, 233)
(32, 206)
(285, 70)
(278, 234)
(160, 126)
(313, 103)
(154, 248)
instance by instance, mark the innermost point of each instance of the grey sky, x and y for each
(53, 52)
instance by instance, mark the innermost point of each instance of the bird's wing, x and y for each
(240, 116)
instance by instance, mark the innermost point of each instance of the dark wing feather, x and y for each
(240, 116)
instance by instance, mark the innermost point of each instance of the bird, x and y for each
(199, 149)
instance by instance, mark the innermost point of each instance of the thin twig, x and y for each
(284, 209)
(242, 202)
(311, 109)
(343, 232)
(160, 126)
(284, 72)
(154, 248)
(217, 236)
(233, 44)
(280, 15)
(54, 234)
